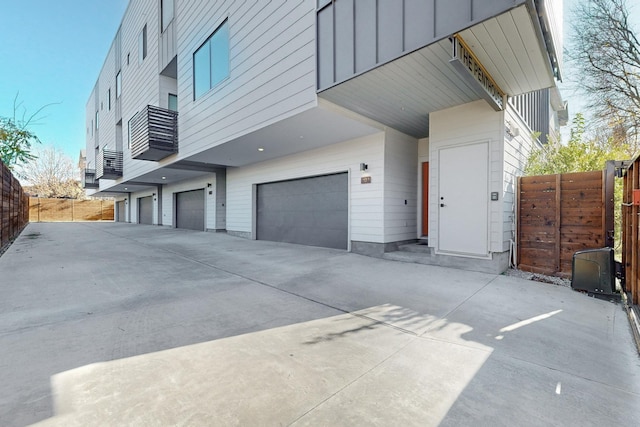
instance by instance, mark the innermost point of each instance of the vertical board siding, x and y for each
(366, 200)
(355, 36)
(14, 206)
(559, 215)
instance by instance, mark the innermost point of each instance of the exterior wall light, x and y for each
(363, 167)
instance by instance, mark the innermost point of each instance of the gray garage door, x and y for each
(190, 210)
(309, 211)
(120, 212)
(145, 210)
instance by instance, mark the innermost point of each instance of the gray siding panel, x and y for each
(359, 35)
(418, 23)
(390, 29)
(325, 47)
(366, 36)
(344, 31)
(451, 16)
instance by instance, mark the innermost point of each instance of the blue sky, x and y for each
(52, 52)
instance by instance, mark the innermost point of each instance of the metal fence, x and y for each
(14, 206)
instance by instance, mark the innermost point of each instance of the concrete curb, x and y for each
(634, 320)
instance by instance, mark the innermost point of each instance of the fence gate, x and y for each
(561, 214)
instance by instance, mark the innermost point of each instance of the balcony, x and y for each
(154, 133)
(109, 164)
(88, 178)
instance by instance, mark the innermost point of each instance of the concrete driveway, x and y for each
(119, 324)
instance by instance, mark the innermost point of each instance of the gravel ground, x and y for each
(538, 277)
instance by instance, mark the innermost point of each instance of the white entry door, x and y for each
(463, 199)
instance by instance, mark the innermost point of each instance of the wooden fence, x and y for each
(561, 214)
(67, 210)
(630, 231)
(14, 206)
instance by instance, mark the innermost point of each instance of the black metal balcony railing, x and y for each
(109, 164)
(154, 133)
(88, 178)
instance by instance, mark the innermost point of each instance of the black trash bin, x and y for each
(594, 271)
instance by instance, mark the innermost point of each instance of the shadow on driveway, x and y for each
(119, 324)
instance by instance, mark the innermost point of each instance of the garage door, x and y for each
(145, 210)
(120, 212)
(309, 211)
(190, 210)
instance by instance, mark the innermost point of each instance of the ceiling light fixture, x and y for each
(260, 149)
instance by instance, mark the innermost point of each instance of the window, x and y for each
(97, 112)
(166, 13)
(173, 102)
(118, 84)
(142, 44)
(109, 99)
(211, 61)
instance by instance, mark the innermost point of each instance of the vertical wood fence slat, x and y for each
(558, 222)
(631, 234)
(14, 206)
(69, 210)
(559, 215)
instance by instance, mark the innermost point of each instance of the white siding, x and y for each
(464, 124)
(400, 186)
(272, 72)
(140, 85)
(168, 199)
(366, 200)
(516, 152)
(272, 68)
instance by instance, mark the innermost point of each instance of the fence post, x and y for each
(558, 219)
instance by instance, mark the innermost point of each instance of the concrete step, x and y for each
(416, 255)
(413, 257)
(416, 248)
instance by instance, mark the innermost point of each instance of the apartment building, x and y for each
(348, 124)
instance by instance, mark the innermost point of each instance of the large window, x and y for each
(142, 44)
(211, 61)
(166, 7)
(118, 84)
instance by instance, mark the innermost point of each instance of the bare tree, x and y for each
(51, 173)
(606, 52)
